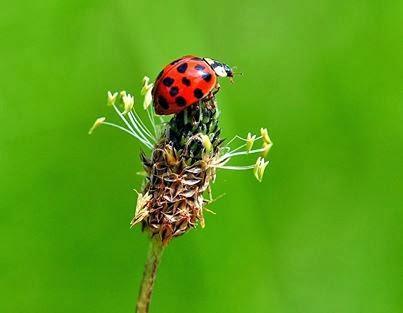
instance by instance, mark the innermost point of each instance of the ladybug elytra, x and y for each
(187, 81)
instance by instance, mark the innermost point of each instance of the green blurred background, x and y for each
(322, 233)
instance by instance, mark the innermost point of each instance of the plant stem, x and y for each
(149, 276)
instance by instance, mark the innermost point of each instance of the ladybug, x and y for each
(187, 81)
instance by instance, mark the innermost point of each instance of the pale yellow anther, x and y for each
(266, 148)
(96, 124)
(128, 102)
(249, 141)
(259, 168)
(148, 98)
(146, 85)
(265, 135)
(112, 98)
(146, 91)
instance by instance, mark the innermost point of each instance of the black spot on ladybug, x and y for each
(198, 93)
(206, 76)
(182, 68)
(176, 61)
(168, 81)
(159, 75)
(180, 101)
(186, 81)
(163, 102)
(199, 67)
(174, 91)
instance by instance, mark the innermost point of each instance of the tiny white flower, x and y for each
(96, 124)
(259, 168)
(112, 98)
(128, 102)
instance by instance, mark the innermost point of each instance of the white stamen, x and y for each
(146, 143)
(237, 168)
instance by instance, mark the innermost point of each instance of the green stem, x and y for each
(149, 276)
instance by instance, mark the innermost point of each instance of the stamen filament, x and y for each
(147, 143)
(235, 137)
(136, 126)
(152, 121)
(142, 125)
(237, 168)
(119, 127)
(239, 148)
(243, 139)
(231, 154)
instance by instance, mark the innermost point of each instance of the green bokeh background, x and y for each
(322, 233)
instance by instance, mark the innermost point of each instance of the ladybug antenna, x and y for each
(235, 73)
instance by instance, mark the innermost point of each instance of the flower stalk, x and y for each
(150, 273)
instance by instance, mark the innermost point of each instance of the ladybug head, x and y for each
(221, 69)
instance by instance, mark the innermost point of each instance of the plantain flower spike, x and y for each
(180, 161)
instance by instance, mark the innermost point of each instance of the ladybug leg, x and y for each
(216, 89)
(213, 92)
(210, 102)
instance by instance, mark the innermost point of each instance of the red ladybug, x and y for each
(186, 81)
